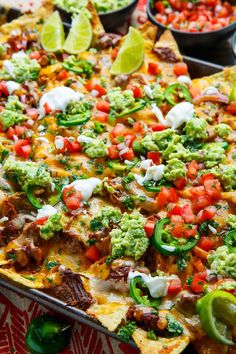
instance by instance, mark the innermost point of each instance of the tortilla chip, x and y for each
(21, 279)
(161, 346)
(167, 40)
(110, 315)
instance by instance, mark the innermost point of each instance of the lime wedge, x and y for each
(80, 35)
(131, 53)
(217, 312)
(53, 36)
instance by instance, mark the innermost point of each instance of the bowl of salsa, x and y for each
(196, 22)
(112, 13)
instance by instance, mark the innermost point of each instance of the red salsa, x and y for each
(195, 16)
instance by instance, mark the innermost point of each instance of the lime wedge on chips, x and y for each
(53, 36)
(217, 312)
(131, 53)
(80, 35)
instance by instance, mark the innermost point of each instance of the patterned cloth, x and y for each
(16, 311)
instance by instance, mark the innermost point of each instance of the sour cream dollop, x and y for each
(85, 186)
(46, 210)
(179, 114)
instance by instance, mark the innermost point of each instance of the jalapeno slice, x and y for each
(69, 120)
(155, 187)
(135, 292)
(166, 248)
(47, 335)
(137, 107)
(36, 202)
(232, 95)
(230, 240)
(177, 89)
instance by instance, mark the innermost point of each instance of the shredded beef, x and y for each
(8, 233)
(72, 290)
(166, 54)
(146, 317)
(120, 273)
(107, 40)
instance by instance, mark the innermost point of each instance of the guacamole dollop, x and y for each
(227, 176)
(196, 128)
(20, 68)
(223, 262)
(174, 169)
(108, 215)
(223, 130)
(212, 154)
(159, 140)
(231, 220)
(100, 5)
(120, 100)
(27, 173)
(12, 114)
(51, 226)
(95, 148)
(129, 239)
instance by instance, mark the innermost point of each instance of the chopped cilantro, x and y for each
(152, 335)
(51, 264)
(174, 328)
(125, 332)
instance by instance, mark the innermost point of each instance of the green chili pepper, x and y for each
(182, 91)
(232, 95)
(166, 248)
(137, 107)
(69, 120)
(230, 240)
(47, 335)
(34, 201)
(135, 292)
(152, 186)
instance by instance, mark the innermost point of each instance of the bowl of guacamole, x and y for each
(112, 13)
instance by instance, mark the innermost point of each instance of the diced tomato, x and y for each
(198, 191)
(119, 130)
(102, 91)
(71, 198)
(113, 152)
(197, 284)
(187, 214)
(192, 171)
(177, 227)
(190, 231)
(32, 113)
(175, 210)
(199, 265)
(73, 146)
(174, 287)
(62, 75)
(195, 91)
(231, 108)
(18, 131)
(202, 275)
(137, 91)
(149, 228)
(93, 253)
(129, 139)
(206, 244)
(206, 214)
(129, 155)
(3, 89)
(160, 7)
(200, 202)
(166, 196)
(23, 148)
(180, 183)
(89, 86)
(173, 195)
(158, 127)
(213, 188)
(47, 108)
(114, 53)
(207, 176)
(180, 69)
(137, 127)
(103, 106)
(153, 68)
(35, 55)
(154, 156)
(41, 221)
(100, 116)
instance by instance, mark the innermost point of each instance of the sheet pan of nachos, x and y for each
(118, 178)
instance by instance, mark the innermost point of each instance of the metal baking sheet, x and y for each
(197, 68)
